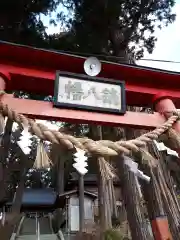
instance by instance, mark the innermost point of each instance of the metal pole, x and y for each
(38, 230)
(81, 204)
(36, 227)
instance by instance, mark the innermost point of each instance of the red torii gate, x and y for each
(33, 70)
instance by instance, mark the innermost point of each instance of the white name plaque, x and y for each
(89, 93)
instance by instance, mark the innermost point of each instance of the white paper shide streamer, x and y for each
(133, 167)
(25, 141)
(80, 161)
(161, 147)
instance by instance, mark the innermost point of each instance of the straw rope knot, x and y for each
(103, 148)
(167, 114)
(177, 113)
(2, 92)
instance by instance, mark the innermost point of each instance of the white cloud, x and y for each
(167, 46)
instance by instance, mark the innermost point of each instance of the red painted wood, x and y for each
(45, 110)
(160, 229)
(40, 81)
(163, 104)
(33, 70)
(2, 84)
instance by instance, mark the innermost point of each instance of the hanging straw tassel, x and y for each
(147, 158)
(2, 126)
(106, 169)
(42, 160)
(171, 139)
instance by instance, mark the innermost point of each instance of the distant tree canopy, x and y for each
(108, 27)
(116, 27)
(20, 21)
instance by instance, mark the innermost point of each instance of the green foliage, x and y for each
(115, 27)
(113, 234)
(20, 21)
(108, 27)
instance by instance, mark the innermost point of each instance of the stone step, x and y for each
(42, 237)
(26, 237)
(49, 237)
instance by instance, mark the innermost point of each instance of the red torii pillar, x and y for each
(164, 105)
(4, 77)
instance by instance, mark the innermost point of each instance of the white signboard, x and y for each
(89, 93)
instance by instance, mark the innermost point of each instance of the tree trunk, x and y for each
(58, 158)
(4, 150)
(103, 222)
(102, 216)
(60, 173)
(14, 216)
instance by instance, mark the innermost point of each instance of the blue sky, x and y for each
(167, 46)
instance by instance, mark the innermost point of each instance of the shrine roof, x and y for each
(37, 199)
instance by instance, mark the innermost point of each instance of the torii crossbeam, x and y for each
(33, 70)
